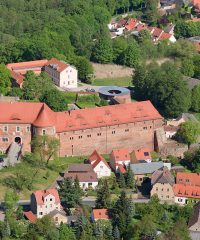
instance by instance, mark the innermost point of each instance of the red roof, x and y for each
(192, 179)
(59, 65)
(41, 194)
(30, 216)
(95, 158)
(165, 36)
(156, 32)
(143, 154)
(121, 154)
(121, 168)
(131, 24)
(100, 214)
(181, 190)
(196, 3)
(140, 27)
(28, 112)
(17, 77)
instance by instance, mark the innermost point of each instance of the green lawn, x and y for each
(44, 179)
(123, 81)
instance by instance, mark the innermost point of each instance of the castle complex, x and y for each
(130, 125)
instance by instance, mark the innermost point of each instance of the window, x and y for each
(180, 200)
(156, 189)
(40, 213)
(145, 128)
(5, 128)
(167, 196)
(98, 134)
(146, 154)
(28, 129)
(71, 138)
(56, 219)
(5, 139)
(80, 137)
(168, 189)
(101, 167)
(126, 130)
(51, 199)
(17, 129)
(113, 132)
(89, 184)
(43, 131)
(89, 135)
(162, 189)
(187, 180)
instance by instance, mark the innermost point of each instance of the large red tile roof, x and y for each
(18, 77)
(41, 194)
(192, 179)
(95, 158)
(100, 214)
(27, 112)
(181, 190)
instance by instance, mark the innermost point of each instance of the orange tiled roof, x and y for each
(17, 77)
(121, 168)
(97, 158)
(181, 190)
(27, 65)
(25, 112)
(165, 36)
(100, 214)
(40, 194)
(143, 154)
(131, 24)
(30, 216)
(60, 66)
(196, 3)
(192, 179)
(121, 154)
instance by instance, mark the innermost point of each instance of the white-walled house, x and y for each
(99, 165)
(45, 201)
(63, 74)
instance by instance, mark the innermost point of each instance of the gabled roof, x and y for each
(80, 167)
(121, 154)
(181, 190)
(17, 77)
(121, 168)
(95, 158)
(82, 176)
(41, 194)
(30, 216)
(58, 65)
(101, 214)
(162, 176)
(142, 154)
(131, 24)
(192, 179)
(146, 168)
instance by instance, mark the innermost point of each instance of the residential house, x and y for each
(86, 180)
(141, 155)
(131, 24)
(63, 74)
(162, 182)
(120, 159)
(194, 223)
(100, 214)
(46, 202)
(187, 188)
(143, 170)
(99, 165)
(159, 35)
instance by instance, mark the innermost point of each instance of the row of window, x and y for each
(163, 189)
(18, 129)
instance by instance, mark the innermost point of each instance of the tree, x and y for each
(148, 227)
(70, 195)
(103, 52)
(189, 132)
(164, 87)
(131, 56)
(195, 105)
(187, 67)
(151, 12)
(121, 180)
(55, 99)
(66, 232)
(85, 69)
(103, 195)
(119, 45)
(116, 233)
(129, 177)
(5, 79)
(45, 147)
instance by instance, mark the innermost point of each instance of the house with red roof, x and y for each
(131, 24)
(187, 188)
(99, 165)
(100, 214)
(129, 125)
(120, 159)
(63, 75)
(46, 202)
(141, 155)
